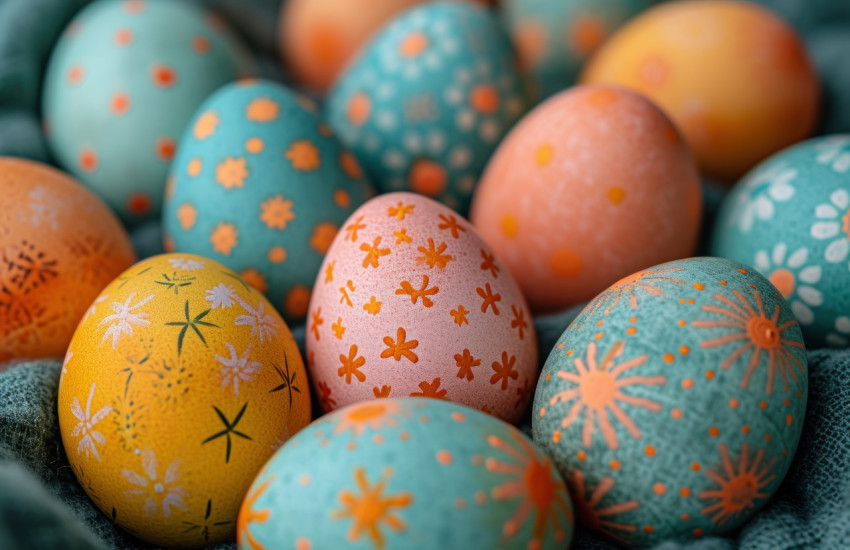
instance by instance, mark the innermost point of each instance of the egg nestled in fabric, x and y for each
(407, 473)
(790, 219)
(427, 100)
(262, 186)
(121, 84)
(410, 302)
(674, 403)
(180, 382)
(590, 186)
(59, 246)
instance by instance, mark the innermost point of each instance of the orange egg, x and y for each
(59, 246)
(592, 185)
(733, 76)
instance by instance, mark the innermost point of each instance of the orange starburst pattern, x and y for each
(599, 390)
(304, 156)
(352, 229)
(383, 392)
(459, 315)
(399, 212)
(753, 331)
(231, 172)
(325, 399)
(504, 370)
(645, 281)
(370, 509)
(372, 415)
(399, 348)
(276, 212)
(536, 486)
(434, 257)
(593, 516)
(373, 253)
(423, 292)
(351, 364)
(490, 299)
(224, 238)
(465, 362)
(316, 322)
(519, 321)
(489, 264)
(247, 516)
(451, 224)
(739, 489)
(431, 390)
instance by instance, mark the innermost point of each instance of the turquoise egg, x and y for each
(673, 404)
(554, 38)
(121, 84)
(790, 219)
(407, 473)
(428, 99)
(261, 185)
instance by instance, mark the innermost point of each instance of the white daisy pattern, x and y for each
(164, 493)
(834, 152)
(833, 224)
(122, 321)
(86, 424)
(841, 337)
(237, 367)
(260, 322)
(794, 279)
(760, 191)
(185, 263)
(221, 296)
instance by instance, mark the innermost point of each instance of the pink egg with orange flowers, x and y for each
(592, 185)
(411, 302)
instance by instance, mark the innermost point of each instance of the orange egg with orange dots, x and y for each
(590, 186)
(59, 246)
(734, 77)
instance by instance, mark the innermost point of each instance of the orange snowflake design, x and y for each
(434, 256)
(459, 315)
(262, 109)
(399, 212)
(490, 299)
(369, 415)
(628, 286)
(592, 516)
(740, 488)
(599, 390)
(304, 156)
(489, 264)
(223, 238)
(276, 212)
(399, 348)
(465, 363)
(450, 223)
(351, 364)
(231, 172)
(373, 253)
(423, 292)
(431, 390)
(352, 229)
(504, 370)
(248, 516)
(519, 321)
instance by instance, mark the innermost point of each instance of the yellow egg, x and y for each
(180, 382)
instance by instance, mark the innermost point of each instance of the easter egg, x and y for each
(590, 186)
(180, 382)
(427, 100)
(790, 219)
(411, 302)
(59, 246)
(122, 82)
(673, 404)
(554, 38)
(367, 475)
(262, 186)
(734, 78)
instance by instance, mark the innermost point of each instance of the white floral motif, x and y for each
(759, 192)
(184, 263)
(220, 296)
(68, 357)
(163, 491)
(93, 308)
(842, 327)
(834, 223)
(86, 424)
(44, 208)
(123, 319)
(793, 278)
(237, 368)
(834, 151)
(259, 321)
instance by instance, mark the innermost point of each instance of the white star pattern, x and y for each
(121, 322)
(237, 368)
(86, 424)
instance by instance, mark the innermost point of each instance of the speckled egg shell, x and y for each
(407, 473)
(790, 219)
(674, 403)
(121, 84)
(262, 186)
(59, 246)
(410, 301)
(592, 185)
(180, 382)
(428, 99)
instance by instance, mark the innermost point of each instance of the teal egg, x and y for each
(407, 473)
(261, 185)
(428, 99)
(790, 219)
(673, 404)
(121, 84)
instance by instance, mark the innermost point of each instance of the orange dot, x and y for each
(123, 37)
(688, 383)
(187, 214)
(88, 160)
(163, 76)
(713, 431)
(602, 97)
(445, 458)
(304, 480)
(168, 244)
(650, 451)
(659, 489)
(696, 467)
(255, 279)
(543, 155)
(201, 44)
(685, 492)
(556, 436)
(587, 34)
(786, 402)
(668, 357)
(134, 7)
(480, 497)
(297, 301)
(460, 504)
(745, 429)
(302, 543)
(165, 148)
(723, 283)
(194, 167)
(565, 263)
(378, 439)
(686, 517)
(733, 403)
(789, 419)
(277, 255)
(599, 335)
(359, 107)
(509, 226)
(413, 44)
(324, 129)
(676, 413)
(119, 104)
(684, 350)
(633, 319)
(682, 322)
(744, 271)
(351, 446)
(404, 436)
(697, 532)
(763, 404)
(341, 198)
(582, 455)
(254, 145)
(350, 165)
(484, 99)
(699, 286)
(691, 301)
(767, 437)
(458, 417)
(709, 374)
(616, 195)
(75, 74)
(631, 330)
(139, 204)
(600, 322)
(615, 464)
(427, 177)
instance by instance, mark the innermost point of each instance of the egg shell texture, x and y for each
(407, 473)
(121, 84)
(261, 185)
(180, 382)
(674, 403)
(590, 186)
(409, 301)
(427, 100)
(59, 246)
(790, 219)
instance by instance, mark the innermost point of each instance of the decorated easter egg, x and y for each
(428, 99)
(262, 186)
(554, 38)
(411, 302)
(180, 382)
(674, 403)
(790, 219)
(734, 77)
(368, 474)
(122, 83)
(592, 185)
(59, 246)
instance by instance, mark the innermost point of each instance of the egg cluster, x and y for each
(669, 409)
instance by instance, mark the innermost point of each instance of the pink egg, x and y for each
(411, 302)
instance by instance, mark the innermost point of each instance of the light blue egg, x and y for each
(790, 219)
(407, 473)
(673, 404)
(122, 83)
(428, 99)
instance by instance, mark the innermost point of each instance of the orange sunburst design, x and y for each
(369, 414)
(739, 489)
(247, 516)
(599, 390)
(758, 333)
(538, 486)
(592, 516)
(642, 280)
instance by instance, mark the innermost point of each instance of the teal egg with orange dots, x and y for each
(673, 404)
(426, 102)
(261, 185)
(122, 82)
(407, 473)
